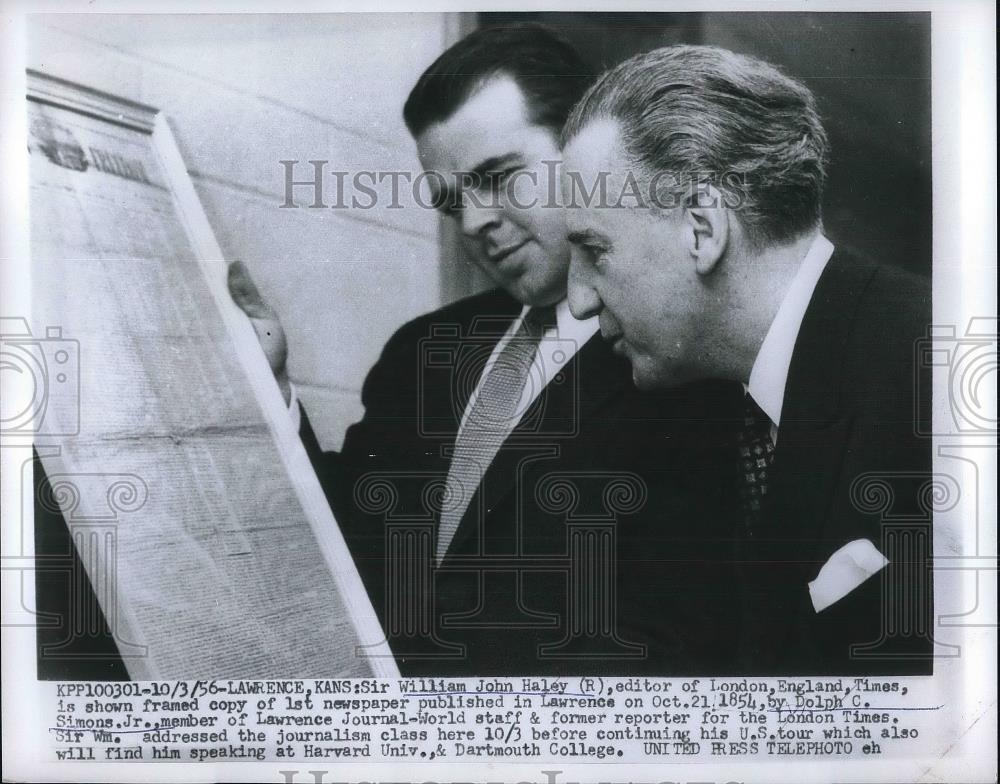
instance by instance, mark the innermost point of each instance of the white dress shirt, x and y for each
(770, 369)
(555, 349)
(856, 561)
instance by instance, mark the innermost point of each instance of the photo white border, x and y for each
(964, 231)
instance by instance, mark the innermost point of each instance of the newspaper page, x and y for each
(493, 394)
(213, 544)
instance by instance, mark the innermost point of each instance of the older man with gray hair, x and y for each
(712, 263)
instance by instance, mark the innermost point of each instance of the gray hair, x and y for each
(693, 111)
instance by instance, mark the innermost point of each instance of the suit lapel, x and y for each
(814, 426)
(589, 380)
(809, 455)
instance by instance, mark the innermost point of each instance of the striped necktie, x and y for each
(492, 417)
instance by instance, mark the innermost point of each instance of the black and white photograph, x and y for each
(499, 394)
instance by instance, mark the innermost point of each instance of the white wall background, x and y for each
(243, 92)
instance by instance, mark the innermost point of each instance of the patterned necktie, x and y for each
(756, 453)
(489, 421)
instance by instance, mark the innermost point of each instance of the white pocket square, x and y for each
(845, 570)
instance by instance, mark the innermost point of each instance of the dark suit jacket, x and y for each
(516, 589)
(684, 592)
(848, 465)
(600, 540)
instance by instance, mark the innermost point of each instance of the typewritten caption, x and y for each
(575, 719)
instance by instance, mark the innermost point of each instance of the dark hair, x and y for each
(550, 72)
(691, 110)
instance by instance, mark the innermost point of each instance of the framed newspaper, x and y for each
(190, 568)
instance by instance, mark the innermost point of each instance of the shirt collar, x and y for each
(770, 368)
(567, 327)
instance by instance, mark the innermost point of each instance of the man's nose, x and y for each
(583, 299)
(479, 219)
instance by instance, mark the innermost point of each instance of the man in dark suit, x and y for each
(712, 264)
(512, 503)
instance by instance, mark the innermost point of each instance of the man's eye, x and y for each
(447, 204)
(498, 178)
(594, 255)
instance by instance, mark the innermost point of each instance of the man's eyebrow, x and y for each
(587, 236)
(479, 173)
(494, 163)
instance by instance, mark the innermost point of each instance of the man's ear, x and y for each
(708, 229)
